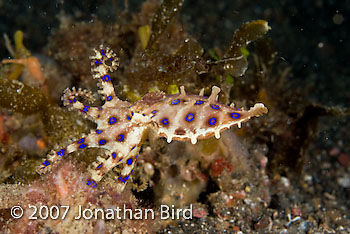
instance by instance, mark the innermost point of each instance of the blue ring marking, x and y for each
(61, 152)
(199, 102)
(81, 141)
(119, 178)
(112, 120)
(88, 183)
(120, 137)
(46, 163)
(98, 131)
(153, 112)
(111, 59)
(165, 121)
(102, 52)
(189, 117)
(93, 184)
(109, 98)
(82, 146)
(175, 102)
(114, 155)
(235, 115)
(86, 108)
(97, 62)
(212, 121)
(74, 99)
(102, 142)
(129, 161)
(99, 166)
(215, 107)
(133, 148)
(128, 117)
(106, 77)
(132, 113)
(100, 108)
(125, 179)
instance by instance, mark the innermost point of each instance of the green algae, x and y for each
(144, 35)
(247, 33)
(173, 89)
(235, 58)
(62, 125)
(19, 97)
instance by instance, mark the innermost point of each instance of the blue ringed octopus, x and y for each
(122, 126)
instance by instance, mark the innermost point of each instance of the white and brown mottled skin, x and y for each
(122, 126)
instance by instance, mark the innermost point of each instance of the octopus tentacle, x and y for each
(70, 100)
(102, 62)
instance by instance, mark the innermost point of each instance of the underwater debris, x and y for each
(21, 98)
(162, 19)
(65, 191)
(121, 126)
(234, 60)
(301, 131)
(24, 62)
(19, 52)
(171, 57)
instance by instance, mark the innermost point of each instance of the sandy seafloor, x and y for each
(312, 37)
